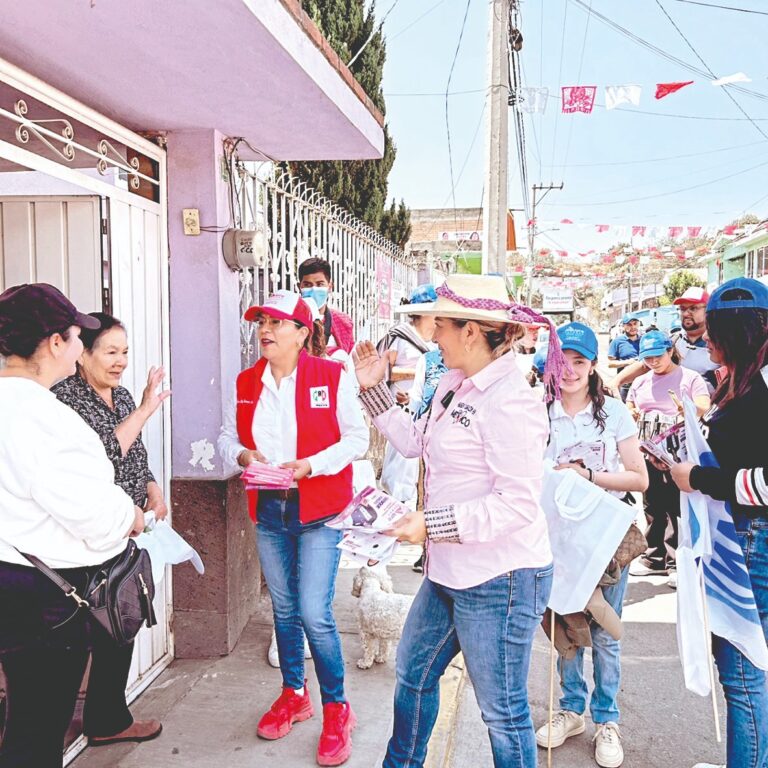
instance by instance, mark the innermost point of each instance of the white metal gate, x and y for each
(60, 240)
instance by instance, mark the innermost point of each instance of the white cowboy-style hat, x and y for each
(478, 289)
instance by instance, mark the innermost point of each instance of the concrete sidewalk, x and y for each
(210, 708)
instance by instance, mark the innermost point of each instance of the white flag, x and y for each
(739, 77)
(532, 99)
(622, 94)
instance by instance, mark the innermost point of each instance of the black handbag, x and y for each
(119, 594)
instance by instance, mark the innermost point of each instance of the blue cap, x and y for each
(580, 338)
(757, 291)
(423, 294)
(628, 318)
(540, 360)
(653, 344)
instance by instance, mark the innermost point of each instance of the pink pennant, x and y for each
(531, 223)
(694, 231)
(566, 221)
(675, 232)
(602, 227)
(563, 254)
(638, 231)
(730, 229)
(578, 98)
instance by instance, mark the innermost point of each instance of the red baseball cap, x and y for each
(693, 296)
(283, 305)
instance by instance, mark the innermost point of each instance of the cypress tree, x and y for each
(360, 186)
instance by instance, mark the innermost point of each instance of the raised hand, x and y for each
(370, 369)
(151, 400)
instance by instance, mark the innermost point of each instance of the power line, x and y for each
(658, 51)
(667, 194)
(709, 69)
(376, 28)
(447, 121)
(723, 7)
(399, 32)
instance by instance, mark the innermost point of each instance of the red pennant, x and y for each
(694, 231)
(566, 221)
(675, 232)
(563, 254)
(578, 98)
(730, 229)
(583, 254)
(531, 223)
(638, 231)
(544, 251)
(633, 259)
(664, 89)
(602, 227)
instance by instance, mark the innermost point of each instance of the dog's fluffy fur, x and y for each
(380, 614)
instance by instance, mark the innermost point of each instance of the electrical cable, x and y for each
(447, 120)
(724, 7)
(376, 29)
(399, 32)
(709, 69)
(578, 80)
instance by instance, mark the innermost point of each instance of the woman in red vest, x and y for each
(299, 411)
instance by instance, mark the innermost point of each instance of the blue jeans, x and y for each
(606, 662)
(744, 685)
(299, 563)
(493, 624)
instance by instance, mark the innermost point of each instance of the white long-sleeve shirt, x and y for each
(275, 429)
(58, 498)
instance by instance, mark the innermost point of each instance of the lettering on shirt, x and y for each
(462, 414)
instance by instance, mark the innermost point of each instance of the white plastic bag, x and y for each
(166, 547)
(586, 525)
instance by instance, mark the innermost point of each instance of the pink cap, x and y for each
(693, 295)
(283, 305)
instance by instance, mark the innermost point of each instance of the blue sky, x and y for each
(605, 159)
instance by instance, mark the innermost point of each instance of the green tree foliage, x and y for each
(360, 186)
(396, 223)
(679, 282)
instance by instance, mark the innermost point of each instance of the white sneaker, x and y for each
(274, 657)
(608, 750)
(564, 725)
(672, 584)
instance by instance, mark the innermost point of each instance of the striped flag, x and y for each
(709, 549)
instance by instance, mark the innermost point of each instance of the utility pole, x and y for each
(545, 188)
(495, 202)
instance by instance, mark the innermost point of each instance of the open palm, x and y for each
(370, 369)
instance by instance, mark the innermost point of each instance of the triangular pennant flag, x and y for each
(638, 231)
(566, 221)
(578, 98)
(562, 254)
(532, 100)
(602, 227)
(730, 229)
(622, 94)
(664, 89)
(694, 231)
(738, 77)
(675, 232)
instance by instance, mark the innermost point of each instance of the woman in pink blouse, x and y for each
(488, 565)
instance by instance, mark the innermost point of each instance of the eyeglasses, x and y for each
(273, 323)
(692, 308)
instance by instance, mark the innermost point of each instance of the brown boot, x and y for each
(140, 730)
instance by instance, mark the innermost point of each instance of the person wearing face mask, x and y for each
(95, 394)
(315, 283)
(299, 411)
(59, 502)
(650, 402)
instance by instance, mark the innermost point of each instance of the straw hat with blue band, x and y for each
(420, 295)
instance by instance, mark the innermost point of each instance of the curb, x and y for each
(441, 742)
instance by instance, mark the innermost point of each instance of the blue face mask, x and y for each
(320, 295)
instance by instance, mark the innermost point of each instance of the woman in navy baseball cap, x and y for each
(737, 337)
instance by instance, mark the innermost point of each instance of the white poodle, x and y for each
(380, 614)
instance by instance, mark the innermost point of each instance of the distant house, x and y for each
(745, 255)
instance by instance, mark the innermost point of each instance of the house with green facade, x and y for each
(745, 255)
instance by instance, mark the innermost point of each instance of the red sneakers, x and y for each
(335, 745)
(288, 709)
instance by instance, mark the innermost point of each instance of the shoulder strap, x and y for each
(327, 324)
(58, 580)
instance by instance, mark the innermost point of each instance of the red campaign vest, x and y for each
(318, 429)
(342, 330)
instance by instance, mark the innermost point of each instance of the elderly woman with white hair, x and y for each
(489, 564)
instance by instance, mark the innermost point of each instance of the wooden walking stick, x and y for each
(551, 685)
(710, 663)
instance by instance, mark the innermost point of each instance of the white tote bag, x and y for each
(586, 525)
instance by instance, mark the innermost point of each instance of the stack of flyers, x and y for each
(363, 522)
(257, 476)
(589, 455)
(667, 446)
